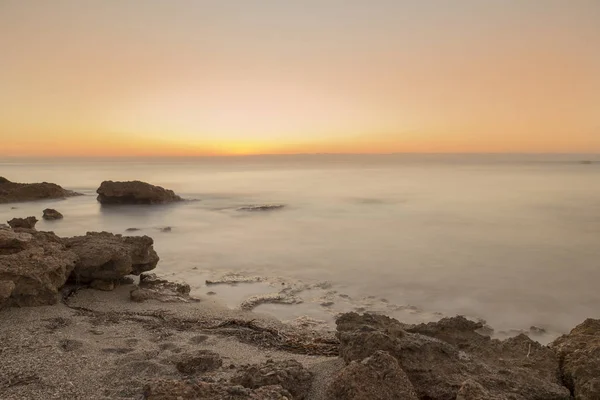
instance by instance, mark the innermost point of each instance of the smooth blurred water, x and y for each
(511, 239)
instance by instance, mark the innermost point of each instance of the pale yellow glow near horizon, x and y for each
(207, 77)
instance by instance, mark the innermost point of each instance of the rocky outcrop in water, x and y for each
(35, 265)
(263, 207)
(109, 257)
(51, 214)
(378, 377)
(12, 192)
(25, 223)
(579, 354)
(134, 192)
(449, 357)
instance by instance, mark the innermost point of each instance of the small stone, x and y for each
(26, 223)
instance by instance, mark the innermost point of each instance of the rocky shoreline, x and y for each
(82, 318)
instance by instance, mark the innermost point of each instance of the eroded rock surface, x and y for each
(151, 287)
(134, 192)
(579, 354)
(38, 265)
(25, 223)
(198, 362)
(189, 390)
(51, 214)
(15, 192)
(378, 377)
(440, 357)
(290, 375)
(105, 256)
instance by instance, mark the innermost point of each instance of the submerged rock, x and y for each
(51, 214)
(134, 192)
(264, 207)
(25, 223)
(378, 377)
(15, 192)
(439, 357)
(153, 288)
(37, 264)
(290, 375)
(105, 256)
(579, 353)
(272, 298)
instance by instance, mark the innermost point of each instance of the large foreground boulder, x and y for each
(378, 377)
(134, 192)
(33, 267)
(579, 354)
(439, 358)
(15, 192)
(109, 257)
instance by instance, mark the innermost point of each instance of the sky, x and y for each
(233, 77)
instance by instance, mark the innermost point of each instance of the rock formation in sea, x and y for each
(262, 207)
(51, 214)
(26, 223)
(12, 192)
(134, 192)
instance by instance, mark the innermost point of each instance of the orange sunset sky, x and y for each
(203, 77)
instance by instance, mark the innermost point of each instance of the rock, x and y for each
(153, 288)
(439, 357)
(378, 377)
(11, 192)
(25, 223)
(6, 289)
(13, 242)
(290, 375)
(105, 286)
(166, 229)
(579, 353)
(187, 390)
(134, 192)
(51, 214)
(264, 207)
(132, 229)
(109, 257)
(471, 390)
(37, 263)
(199, 362)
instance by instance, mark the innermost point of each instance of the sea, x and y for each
(511, 240)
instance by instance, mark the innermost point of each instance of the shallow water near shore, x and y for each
(512, 240)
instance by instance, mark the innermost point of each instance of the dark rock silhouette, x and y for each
(12, 192)
(134, 192)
